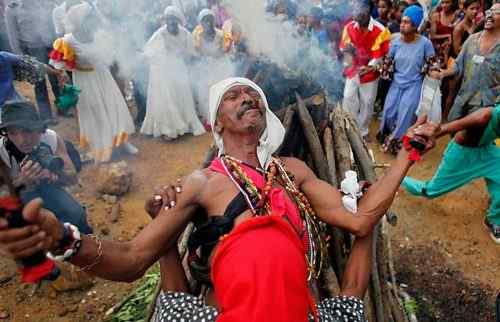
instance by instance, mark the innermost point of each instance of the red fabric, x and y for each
(10, 203)
(34, 274)
(414, 153)
(260, 274)
(259, 270)
(59, 57)
(363, 42)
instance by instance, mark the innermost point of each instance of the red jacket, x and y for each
(370, 46)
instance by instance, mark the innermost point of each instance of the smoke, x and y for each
(278, 39)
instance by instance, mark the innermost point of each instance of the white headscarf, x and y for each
(76, 16)
(204, 13)
(176, 12)
(274, 133)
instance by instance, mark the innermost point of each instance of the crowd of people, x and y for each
(182, 64)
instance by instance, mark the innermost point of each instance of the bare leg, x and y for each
(358, 268)
(173, 277)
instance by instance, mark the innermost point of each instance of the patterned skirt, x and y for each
(182, 307)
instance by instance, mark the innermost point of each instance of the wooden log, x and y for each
(383, 269)
(312, 138)
(330, 155)
(210, 156)
(288, 118)
(313, 101)
(375, 288)
(361, 153)
(341, 143)
(397, 307)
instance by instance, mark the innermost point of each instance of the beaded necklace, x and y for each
(259, 203)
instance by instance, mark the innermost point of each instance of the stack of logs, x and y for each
(329, 141)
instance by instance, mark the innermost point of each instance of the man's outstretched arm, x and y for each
(479, 118)
(119, 261)
(327, 200)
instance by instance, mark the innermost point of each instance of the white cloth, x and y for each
(176, 12)
(359, 100)
(274, 133)
(204, 13)
(76, 16)
(58, 18)
(430, 100)
(171, 108)
(103, 114)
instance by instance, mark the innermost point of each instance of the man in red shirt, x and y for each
(366, 41)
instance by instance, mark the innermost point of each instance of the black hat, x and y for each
(21, 115)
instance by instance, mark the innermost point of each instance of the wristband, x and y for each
(68, 246)
(415, 154)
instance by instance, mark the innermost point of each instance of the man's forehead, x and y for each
(240, 88)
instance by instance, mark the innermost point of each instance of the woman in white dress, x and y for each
(171, 108)
(104, 119)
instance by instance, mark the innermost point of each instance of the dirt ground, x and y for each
(442, 251)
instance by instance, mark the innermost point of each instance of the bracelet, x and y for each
(69, 245)
(415, 154)
(98, 258)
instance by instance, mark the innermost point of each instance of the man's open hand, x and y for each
(164, 197)
(42, 233)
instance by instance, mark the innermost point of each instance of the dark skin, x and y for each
(240, 122)
(468, 129)
(172, 24)
(467, 24)
(363, 20)
(208, 24)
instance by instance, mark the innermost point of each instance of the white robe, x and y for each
(171, 110)
(103, 115)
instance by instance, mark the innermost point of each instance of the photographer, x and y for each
(39, 162)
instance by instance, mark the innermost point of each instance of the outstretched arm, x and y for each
(479, 118)
(327, 200)
(129, 261)
(119, 261)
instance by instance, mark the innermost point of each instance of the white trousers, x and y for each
(359, 100)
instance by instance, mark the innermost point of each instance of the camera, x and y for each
(43, 155)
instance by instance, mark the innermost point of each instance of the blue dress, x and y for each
(7, 90)
(404, 93)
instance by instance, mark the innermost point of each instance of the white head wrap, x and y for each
(77, 15)
(176, 12)
(273, 134)
(204, 13)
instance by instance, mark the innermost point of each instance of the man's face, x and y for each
(362, 17)
(406, 26)
(24, 140)
(172, 25)
(241, 111)
(493, 18)
(208, 23)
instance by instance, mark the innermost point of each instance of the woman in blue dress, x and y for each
(409, 53)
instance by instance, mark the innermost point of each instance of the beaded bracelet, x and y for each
(98, 258)
(69, 245)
